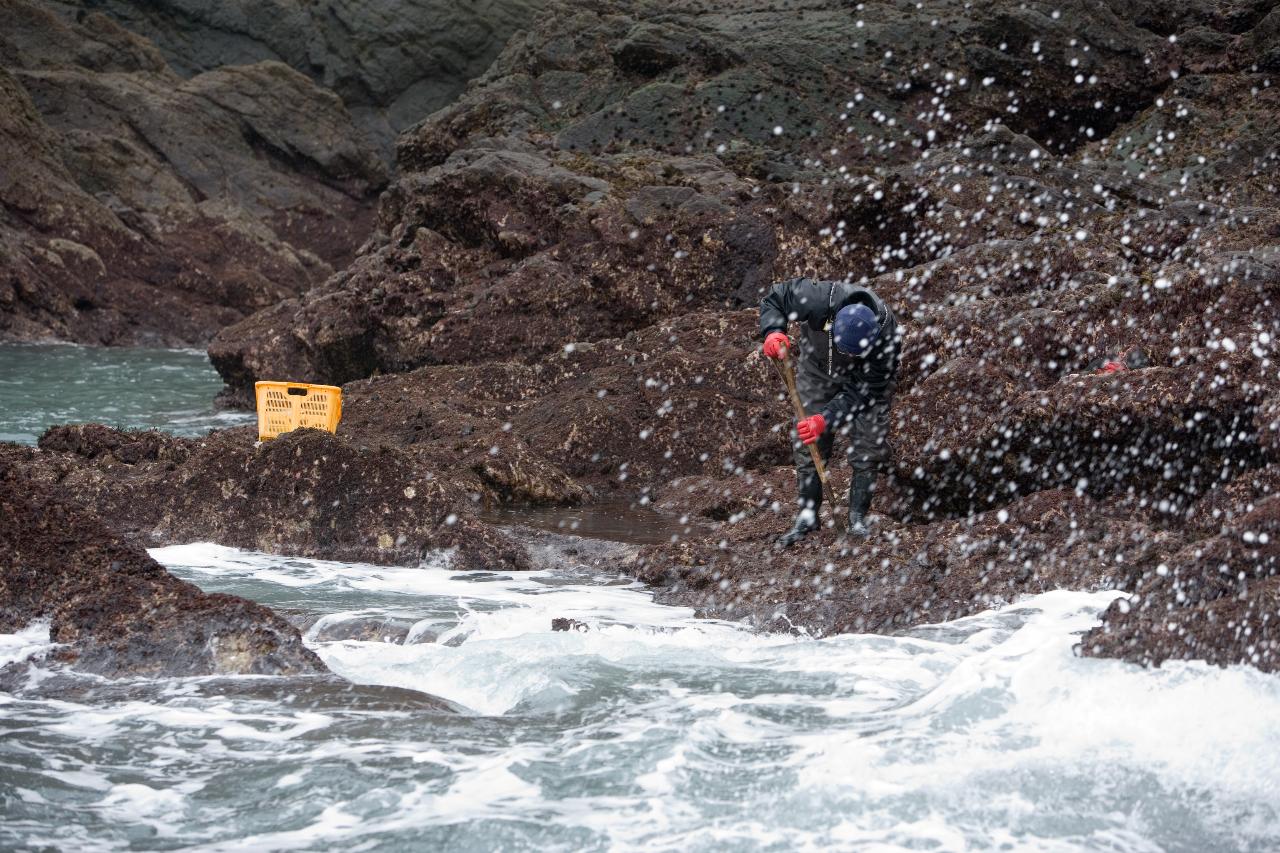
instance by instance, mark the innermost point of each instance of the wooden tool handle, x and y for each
(789, 377)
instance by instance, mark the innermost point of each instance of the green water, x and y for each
(46, 384)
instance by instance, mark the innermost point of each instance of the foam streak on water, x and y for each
(652, 730)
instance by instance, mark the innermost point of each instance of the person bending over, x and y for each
(847, 352)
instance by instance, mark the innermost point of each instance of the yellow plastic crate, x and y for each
(285, 406)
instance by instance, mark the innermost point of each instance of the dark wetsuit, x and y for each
(853, 393)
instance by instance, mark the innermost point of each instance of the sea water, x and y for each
(648, 729)
(42, 385)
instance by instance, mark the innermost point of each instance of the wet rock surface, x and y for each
(1216, 598)
(613, 418)
(1055, 185)
(363, 629)
(623, 163)
(556, 307)
(112, 609)
(307, 493)
(504, 254)
(551, 551)
(314, 691)
(141, 207)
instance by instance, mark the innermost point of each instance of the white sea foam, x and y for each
(654, 730)
(136, 803)
(28, 643)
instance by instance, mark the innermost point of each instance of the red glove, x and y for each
(1112, 367)
(776, 344)
(811, 427)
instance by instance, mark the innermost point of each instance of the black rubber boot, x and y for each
(859, 503)
(810, 489)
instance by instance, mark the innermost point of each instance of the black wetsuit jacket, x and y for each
(852, 381)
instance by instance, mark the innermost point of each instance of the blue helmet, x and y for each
(855, 329)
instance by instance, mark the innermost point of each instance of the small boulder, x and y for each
(112, 609)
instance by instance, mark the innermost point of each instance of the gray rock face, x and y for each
(847, 84)
(139, 207)
(391, 62)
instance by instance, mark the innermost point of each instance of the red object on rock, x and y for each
(811, 427)
(1111, 367)
(775, 344)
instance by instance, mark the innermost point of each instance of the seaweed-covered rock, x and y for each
(556, 305)
(307, 493)
(115, 611)
(505, 254)
(1168, 433)
(802, 78)
(1216, 600)
(1030, 186)
(905, 574)
(106, 444)
(689, 395)
(620, 165)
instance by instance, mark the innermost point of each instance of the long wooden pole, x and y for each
(789, 377)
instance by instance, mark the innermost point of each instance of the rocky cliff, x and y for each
(556, 304)
(391, 63)
(137, 206)
(1032, 186)
(617, 166)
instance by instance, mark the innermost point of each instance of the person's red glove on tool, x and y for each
(775, 344)
(811, 427)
